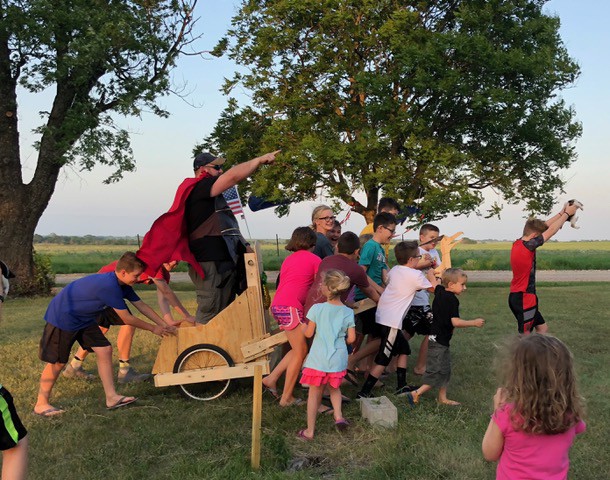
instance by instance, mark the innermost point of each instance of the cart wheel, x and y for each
(198, 357)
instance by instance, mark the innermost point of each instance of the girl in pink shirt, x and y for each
(538, 412)
(296, 276)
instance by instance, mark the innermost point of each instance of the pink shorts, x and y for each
(317, 378)
(288, 318)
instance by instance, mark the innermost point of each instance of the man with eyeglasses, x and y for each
(213, 232)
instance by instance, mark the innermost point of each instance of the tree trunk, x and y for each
(17, 232)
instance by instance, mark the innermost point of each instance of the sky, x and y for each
(83, 205)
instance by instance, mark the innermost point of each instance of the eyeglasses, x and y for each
(392, 231)
(215, 167)
(327, 219)
(417, 256)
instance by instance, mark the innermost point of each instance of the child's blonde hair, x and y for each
(540, 382)
(452, 275)
(336, 281)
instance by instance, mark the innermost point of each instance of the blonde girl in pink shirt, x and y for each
(296, 276)
(538, 412)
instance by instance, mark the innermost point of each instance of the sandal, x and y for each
(295, 403)
(272, 391)
(341, 424)
(413, 398)
(325, 409)
(301, 436)
(344, 399)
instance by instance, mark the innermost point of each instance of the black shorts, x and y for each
(438, 365)
(418, 320)
(109, 317)
(367, 324)
(527, 318)
(55, 344)
(393, 343)
(11, 428)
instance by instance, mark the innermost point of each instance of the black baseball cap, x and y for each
(206, 158)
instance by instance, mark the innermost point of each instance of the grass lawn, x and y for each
(166, 436)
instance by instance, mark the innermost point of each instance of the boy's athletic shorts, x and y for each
(418, 320)
(11, 428)
(109, 317)
(525, 309)
(55, 344)
(438, 365)
(366, 324)
(393, 343)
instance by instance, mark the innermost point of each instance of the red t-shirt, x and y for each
(357, 276)
(523, 264)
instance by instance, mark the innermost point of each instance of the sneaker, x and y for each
(71, 372)
(130, 375)
(401, 392)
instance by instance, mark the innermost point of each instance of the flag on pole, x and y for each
(232, 198)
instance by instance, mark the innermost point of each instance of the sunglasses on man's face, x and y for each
(215, 167)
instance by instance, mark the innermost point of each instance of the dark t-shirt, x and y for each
(355, 272)
(199, 207)
(323, 247)
(444, 307)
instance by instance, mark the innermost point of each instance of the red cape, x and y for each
(168, 238)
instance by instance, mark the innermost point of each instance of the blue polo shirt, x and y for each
(79, 303)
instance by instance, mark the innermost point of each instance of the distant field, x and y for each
(480, 256)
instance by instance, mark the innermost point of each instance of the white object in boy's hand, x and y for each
(573, 218)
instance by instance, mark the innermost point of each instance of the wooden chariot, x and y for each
(203, 359)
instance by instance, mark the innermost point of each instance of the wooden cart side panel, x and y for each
(227, 330)
(240, 322)
(167, 354)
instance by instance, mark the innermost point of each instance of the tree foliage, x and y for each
(430, 102)
(98, 58)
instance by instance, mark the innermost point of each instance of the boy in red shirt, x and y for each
(522, 299)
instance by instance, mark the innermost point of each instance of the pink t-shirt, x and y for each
(527, 456)
(296, 276)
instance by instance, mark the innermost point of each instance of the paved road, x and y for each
(473, 276)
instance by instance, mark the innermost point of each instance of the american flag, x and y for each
(232, 198)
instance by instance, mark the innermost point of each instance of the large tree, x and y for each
(98, 58)
(429, 102)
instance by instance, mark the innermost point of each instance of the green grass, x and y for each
(482, 256)
(166, 436)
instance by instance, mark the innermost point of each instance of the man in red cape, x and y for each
(200, 229)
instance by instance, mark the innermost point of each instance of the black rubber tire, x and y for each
(203, 355)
